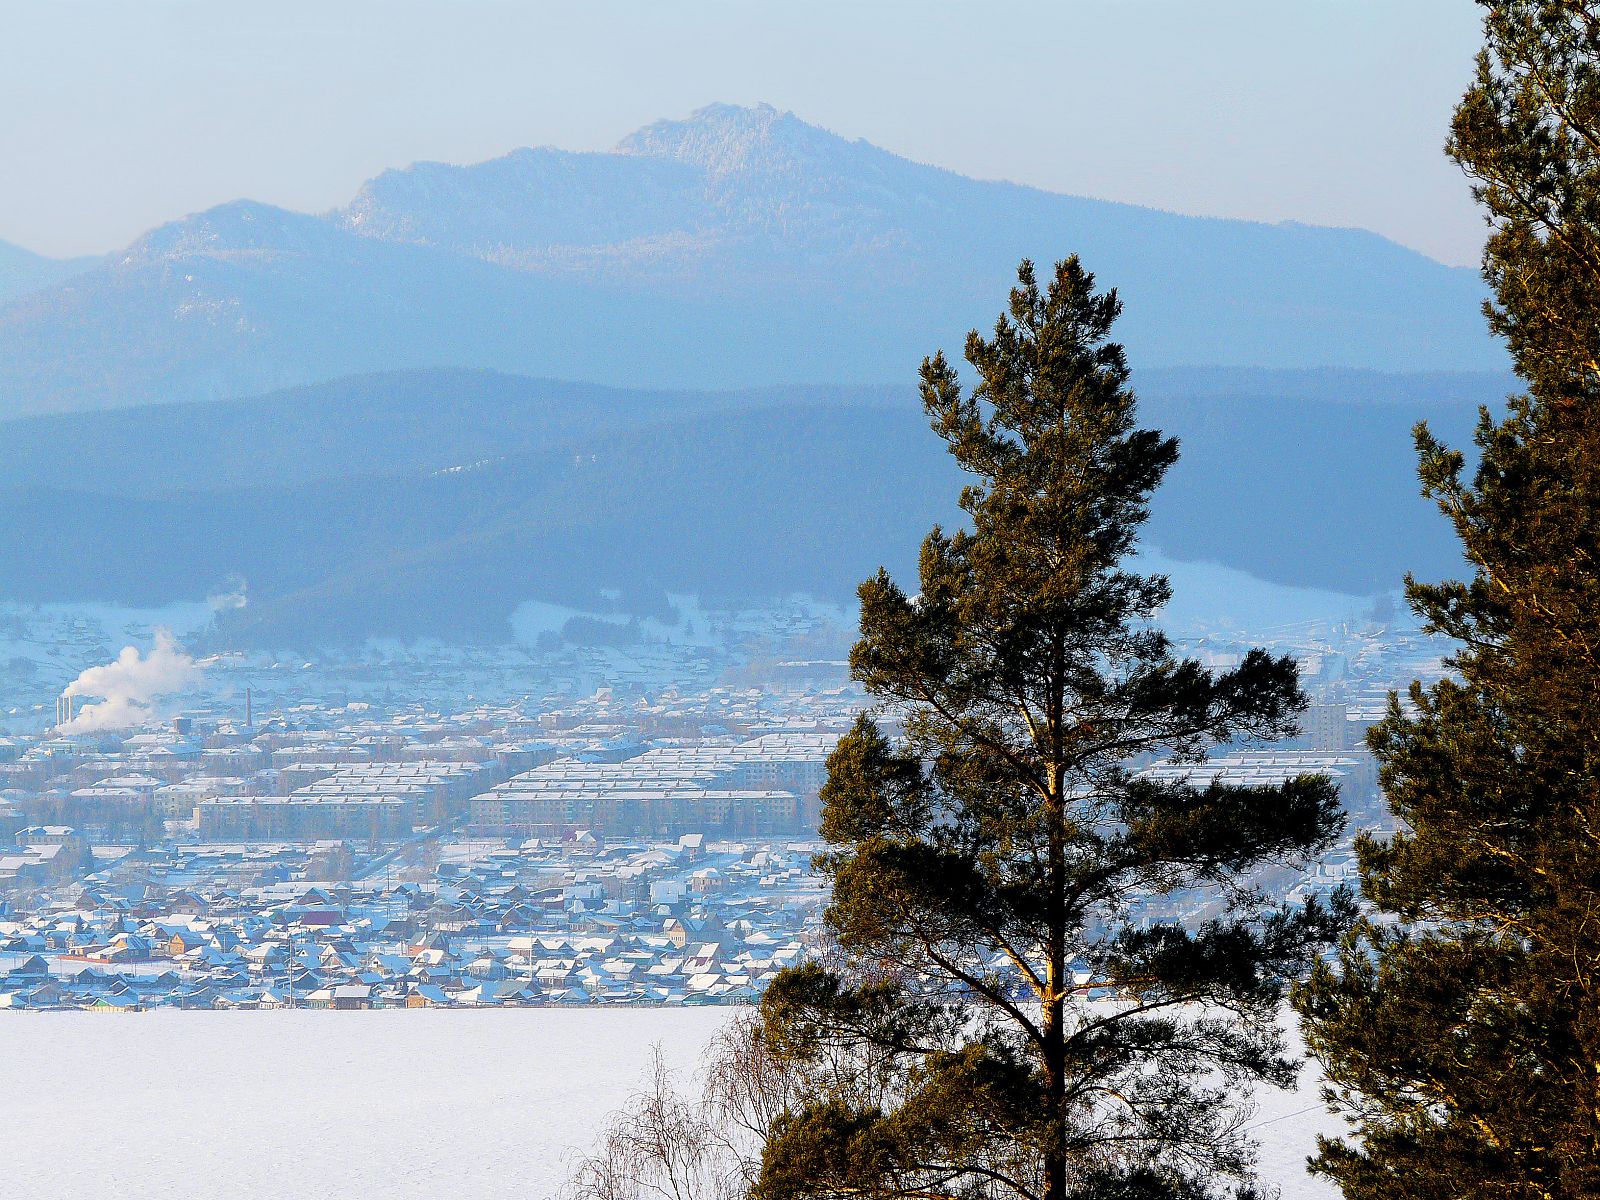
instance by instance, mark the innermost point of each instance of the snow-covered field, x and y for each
(387, 1105)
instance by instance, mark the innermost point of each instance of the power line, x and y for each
(1274, 1120)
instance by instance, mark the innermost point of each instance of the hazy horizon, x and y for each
(1326, 114)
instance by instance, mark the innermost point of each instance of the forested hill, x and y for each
(738, 247)
(432, 502)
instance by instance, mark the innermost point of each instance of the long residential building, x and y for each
(305, 818)
(767, 785)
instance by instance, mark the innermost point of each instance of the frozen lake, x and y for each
(393, 1105)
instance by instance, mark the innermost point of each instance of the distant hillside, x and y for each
(741, 247)
(23, 271)
(433, 502)
(395, 423)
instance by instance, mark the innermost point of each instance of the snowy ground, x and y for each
(1210, 597)
(391, 1105)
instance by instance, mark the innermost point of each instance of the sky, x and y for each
(117, 116)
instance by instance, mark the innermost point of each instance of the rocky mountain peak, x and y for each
(729, 139)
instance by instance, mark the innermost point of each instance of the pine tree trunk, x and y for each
(1054, 1029)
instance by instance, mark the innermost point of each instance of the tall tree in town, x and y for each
(1460, 1028)
(1012, 1008)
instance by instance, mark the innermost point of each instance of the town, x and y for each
(302, 838)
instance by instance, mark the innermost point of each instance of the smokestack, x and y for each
(130, 685)
(248, 722)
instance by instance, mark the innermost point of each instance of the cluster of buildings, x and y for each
(272, 850)
(671, 923)
(762, 786)
(640, 765)
(376, 801)
(301, 837)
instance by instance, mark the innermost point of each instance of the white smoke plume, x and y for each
(129, 685)
(234, 593)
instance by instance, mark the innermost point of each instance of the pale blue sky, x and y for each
(116, 115)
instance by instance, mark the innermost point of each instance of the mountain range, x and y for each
(355, 417)
(23, 271)
(741, 247)
(430, 503)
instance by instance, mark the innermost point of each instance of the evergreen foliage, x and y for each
(1460, 1027)
(987, 859)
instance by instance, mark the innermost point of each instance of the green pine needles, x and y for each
(1009, 1012)
(1460, 1028)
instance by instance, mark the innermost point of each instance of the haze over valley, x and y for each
(735, 304)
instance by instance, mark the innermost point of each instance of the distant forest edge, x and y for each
(431, 502)
(738, 247)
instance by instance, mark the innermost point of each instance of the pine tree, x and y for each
(1460, 1028)
(1011, 1012)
